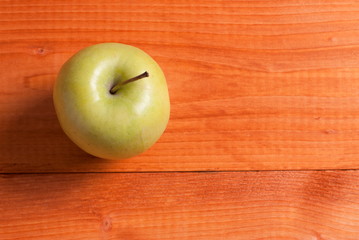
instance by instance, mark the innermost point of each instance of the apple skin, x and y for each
(111, 126)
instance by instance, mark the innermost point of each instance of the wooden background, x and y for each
(254, 86)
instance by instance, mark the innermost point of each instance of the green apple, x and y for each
(112, 100)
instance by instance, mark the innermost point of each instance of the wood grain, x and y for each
(253, 84)
(233, 205)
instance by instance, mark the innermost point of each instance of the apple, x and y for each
(112, 100)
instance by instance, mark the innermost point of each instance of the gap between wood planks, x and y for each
(201, 171)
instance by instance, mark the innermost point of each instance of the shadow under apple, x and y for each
(34, 142)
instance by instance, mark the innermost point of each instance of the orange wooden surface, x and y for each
(198, 206)
(254, 85)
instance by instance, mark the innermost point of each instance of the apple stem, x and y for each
(115, 88)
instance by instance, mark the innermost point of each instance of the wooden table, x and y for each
(263, 140)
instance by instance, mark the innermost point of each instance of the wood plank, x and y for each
(232, 205)
(253, 84)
